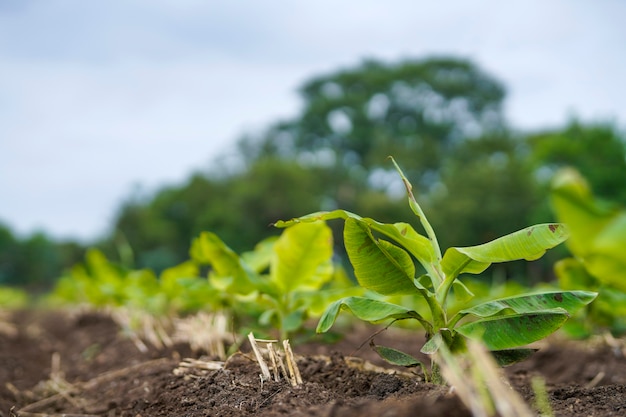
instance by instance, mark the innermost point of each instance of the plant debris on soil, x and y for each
(81, 364)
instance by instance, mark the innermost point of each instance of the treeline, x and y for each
(34, 262)
(441, 118)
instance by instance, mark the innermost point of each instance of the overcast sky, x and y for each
(97, 97)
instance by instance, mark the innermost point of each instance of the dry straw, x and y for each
(480, 383)
(277, 359)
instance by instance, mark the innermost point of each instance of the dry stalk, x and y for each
(122, 317)
(6, 327)
(283, 370)
(275, 360)
(28, 410)
(480, 384)
(202, 331)
(141, 327)
(265, 372)
(188, 365)
(27, 414)
(294, 372)
(291, 372)
(596, 380)
(205, 331)
(618, 345)
(200, 364)
(58, 386)
(153, 330)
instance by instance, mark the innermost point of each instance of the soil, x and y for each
(81, 364)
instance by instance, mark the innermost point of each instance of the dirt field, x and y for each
(97, 371)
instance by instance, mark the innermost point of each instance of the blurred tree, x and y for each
(597, 150)
(156, 232)
(239, 208)
(487, 190)
(36, 261)
(8, 252)
(333, 154)
(488, 187)
(441, 118)
(415, 110)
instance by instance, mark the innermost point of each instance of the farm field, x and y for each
(98, 371)
(401, 239)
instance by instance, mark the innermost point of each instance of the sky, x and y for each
(99, 99)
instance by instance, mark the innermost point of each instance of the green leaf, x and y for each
(598, 229)
(396, 357)
(184, 269)
(453, 342)
(228, 272)
(570, 301)
(571, 274)
(417, 210)
(302, 258)
(608, 270)
(259, 259)
(294, 320)
(529, 243)
(506, 332)
(433, 344)
(419, 246)
(365, 309)
(318, 216)
(402, 233)
(574, 204)
(339, 286)
(424, 282)
(378, 265)
(508, 357)
(461, 292)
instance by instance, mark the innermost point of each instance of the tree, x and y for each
(157, 231)
(36, 261)
(487, 190)
(332, 155)
(597, 150)
(8, 251)
(415, 110)
(487, 184)
(238, 207)
(441, 118)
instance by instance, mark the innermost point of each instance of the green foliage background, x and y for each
(441, 118)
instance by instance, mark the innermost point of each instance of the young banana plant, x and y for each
(383, 255)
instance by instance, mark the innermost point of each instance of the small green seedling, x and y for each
(282, 279)
(100, 282)
(13, 298)
(388, 267)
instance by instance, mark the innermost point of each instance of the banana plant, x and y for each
(598, 239)
(394, 259)
(282, 279)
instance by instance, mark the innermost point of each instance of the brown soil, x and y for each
(102, 373)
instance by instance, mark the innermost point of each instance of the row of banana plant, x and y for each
(402, 274)
(277, 286)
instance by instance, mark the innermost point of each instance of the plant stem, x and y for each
(415, 207)
(435, 373)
